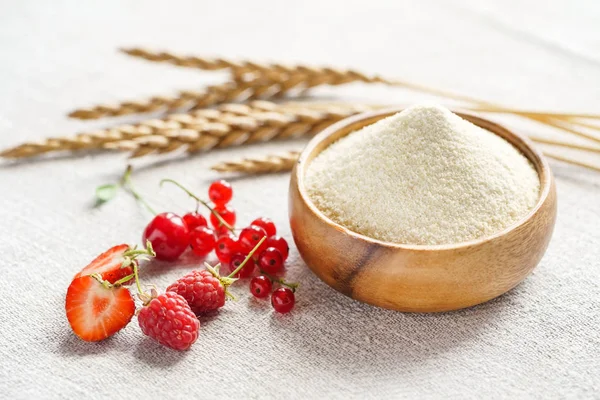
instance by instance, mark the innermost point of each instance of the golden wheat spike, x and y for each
(255, 127)
(260, 165)
(213, 95)
(214, 122)
(183, 100)
(269, 71)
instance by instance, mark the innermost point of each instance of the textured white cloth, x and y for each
(539, 341)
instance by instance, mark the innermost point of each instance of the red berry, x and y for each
(201, 289)
(266, 224)
(247, 270)
(270, 260)
(280, 244)
(226, 245)
(202, 241)
(220, 192)
(95, 311)
(169, 320)
(249, 238)
(260, 286)
(283, 300)
(226, 212)
(222, 230)
(169, 236)
(194, 220)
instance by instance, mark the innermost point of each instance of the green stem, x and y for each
(292, 286)
(123, 280)
(199, 200)
(133, 253)
(249, 256)
(126, 184)
(137, 280)
(104, 283)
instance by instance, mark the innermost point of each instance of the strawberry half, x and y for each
(109, 265)
(97, 310)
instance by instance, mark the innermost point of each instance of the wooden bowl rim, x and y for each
(521, 143)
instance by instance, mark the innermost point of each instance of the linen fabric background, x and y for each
(538, 341)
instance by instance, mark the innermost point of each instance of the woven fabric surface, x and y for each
(541, 340)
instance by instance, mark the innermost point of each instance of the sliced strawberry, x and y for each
(96, 311)
(109, 265)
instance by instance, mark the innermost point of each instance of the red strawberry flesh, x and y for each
(108, 265)
(95, 311)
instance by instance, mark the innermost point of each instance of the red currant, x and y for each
(226, 212)
(220, 192)
(168, 234)
(260, 286)
(266, 224)
(222, 230)
(226, 245)
(283, 300)
(249, 238)
(202, 240)
(247, 270)
(270, 260)
(194, 220)
(280, 244)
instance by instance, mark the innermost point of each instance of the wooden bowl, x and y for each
(419, 278)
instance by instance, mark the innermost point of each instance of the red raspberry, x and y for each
(201, 289)
(169, 320)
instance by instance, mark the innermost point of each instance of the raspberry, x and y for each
(201, 289)
(168, 319)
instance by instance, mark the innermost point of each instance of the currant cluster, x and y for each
(171, 235)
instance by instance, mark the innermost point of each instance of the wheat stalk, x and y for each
(260, 165)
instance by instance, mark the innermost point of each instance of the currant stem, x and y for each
(199, 200)
(249, 256)
(292, 286)
(128, 185)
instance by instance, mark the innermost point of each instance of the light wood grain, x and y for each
(418, 278)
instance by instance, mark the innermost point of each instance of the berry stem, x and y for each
(128, 185)
(249, 256)
(104, 283)
(134, 252)
(199, 200)
(137, 280)
(292, 286)
(130, 257)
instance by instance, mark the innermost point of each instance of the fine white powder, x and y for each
(423, 176)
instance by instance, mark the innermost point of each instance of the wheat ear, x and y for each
(212, 95)
(254, 126)
(260, 165)
(212, 122)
